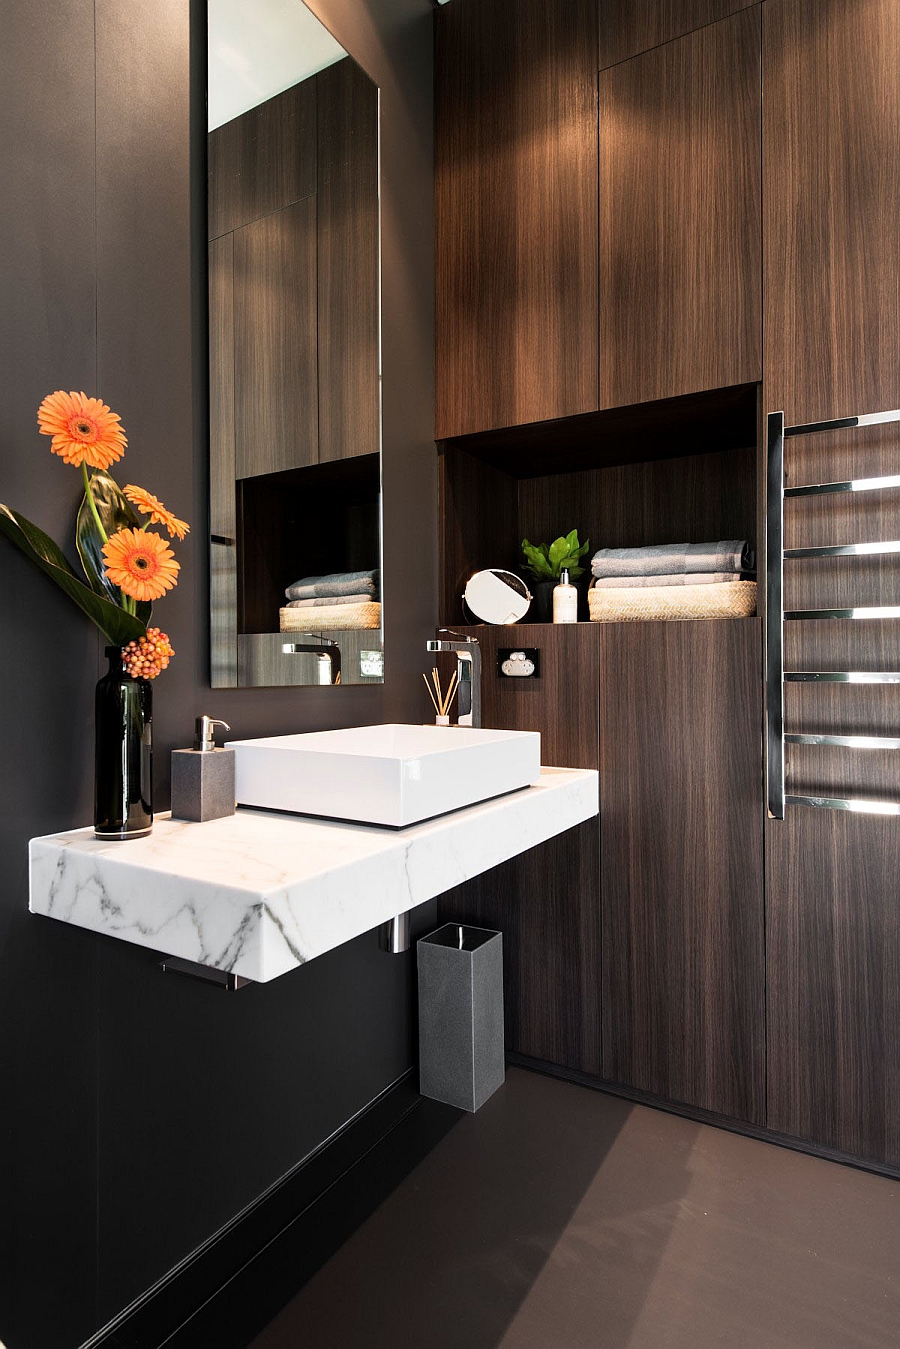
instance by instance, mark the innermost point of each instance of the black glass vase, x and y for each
(123, 762)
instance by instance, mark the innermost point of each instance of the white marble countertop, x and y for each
(259, 893)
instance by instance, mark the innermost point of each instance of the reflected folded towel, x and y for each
(667, 559)
(331, 618)
(737, 600)
(687, 578)
(340, 583)
(329, 600)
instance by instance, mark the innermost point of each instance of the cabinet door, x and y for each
(275, 358)
(832, 322)
(347, 245)
(629, 27)
(516, 212)
(681, 816)
(832, 207)
(680, 216)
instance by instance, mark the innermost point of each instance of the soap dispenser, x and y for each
(565, 600)
(203, 777)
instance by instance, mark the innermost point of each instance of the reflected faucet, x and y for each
(468, 668)
(327, 653)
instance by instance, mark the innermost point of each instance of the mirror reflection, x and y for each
(294, 361)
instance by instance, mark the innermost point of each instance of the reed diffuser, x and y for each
(441, 701)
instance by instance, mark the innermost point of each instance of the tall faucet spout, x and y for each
(468, 669)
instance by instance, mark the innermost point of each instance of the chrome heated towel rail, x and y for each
(776, 617)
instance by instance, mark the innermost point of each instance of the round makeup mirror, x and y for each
(496, 596)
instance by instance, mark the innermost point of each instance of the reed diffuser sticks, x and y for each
(441, 701)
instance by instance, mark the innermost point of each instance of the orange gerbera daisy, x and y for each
(84, 430)
(142, 565)
(159, 514)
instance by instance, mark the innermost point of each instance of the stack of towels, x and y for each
(349, 599)
(673, 580)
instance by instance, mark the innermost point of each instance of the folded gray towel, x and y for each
(686, 578)
(328, 600)
(341, 583)
(667, 559)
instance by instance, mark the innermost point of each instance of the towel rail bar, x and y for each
(777, 616)
(842, 677)
(846, 549)
(858, 805)
(845, 741)
(852, 485)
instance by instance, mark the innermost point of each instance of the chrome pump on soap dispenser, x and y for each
(203, 777)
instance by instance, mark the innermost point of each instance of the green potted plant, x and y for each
(545, 562)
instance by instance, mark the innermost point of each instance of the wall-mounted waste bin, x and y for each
(461, 1049)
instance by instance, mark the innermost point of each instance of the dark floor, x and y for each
(558, 1216)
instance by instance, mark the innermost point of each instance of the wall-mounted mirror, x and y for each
(294, 361)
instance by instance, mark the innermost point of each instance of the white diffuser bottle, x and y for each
(565, 600)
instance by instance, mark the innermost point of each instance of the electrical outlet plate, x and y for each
(523, 662)
(371, 664)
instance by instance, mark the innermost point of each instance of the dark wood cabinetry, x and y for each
(275, 378)
(832, 205)
(546, 902)
(347, 250)
(516, 212)
(629, 27)
(680, 239)
(832, 349)
(682, 862)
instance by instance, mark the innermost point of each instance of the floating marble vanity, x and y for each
(260, 892)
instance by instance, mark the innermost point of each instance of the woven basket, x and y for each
(331, 617)
(729, 599)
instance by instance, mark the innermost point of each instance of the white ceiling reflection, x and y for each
(257, 48)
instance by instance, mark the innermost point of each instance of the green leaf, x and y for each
(118, 627)
(572, 541)
(538, 564)
(116, 512)
(559, 551)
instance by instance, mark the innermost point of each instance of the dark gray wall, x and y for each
(140, 1112)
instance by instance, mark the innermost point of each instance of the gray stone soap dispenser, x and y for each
(203, 777)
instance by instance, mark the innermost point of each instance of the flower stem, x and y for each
(93, 505)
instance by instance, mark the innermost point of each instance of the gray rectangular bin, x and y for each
(461, 1049)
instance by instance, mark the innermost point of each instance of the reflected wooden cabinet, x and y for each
(680, 236)
(294, 339)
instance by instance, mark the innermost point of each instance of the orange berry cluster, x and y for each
(148, 656)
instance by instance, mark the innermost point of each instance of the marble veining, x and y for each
(261, 892)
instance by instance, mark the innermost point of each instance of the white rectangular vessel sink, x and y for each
(391, 775)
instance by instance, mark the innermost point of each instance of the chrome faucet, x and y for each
(468, 668)
(328, 656)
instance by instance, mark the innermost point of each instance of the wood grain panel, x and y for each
(680, 216)
(478, 524)
(222, 519)
(832, 296)
(561, 702)
(705, 422)
(833, 965)
(682, 862)
(629, 27)
(347, 245)
(276, 414)
(546, 904)
(831, 206)
(263, 160)
(708, 496)
(516, 207)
